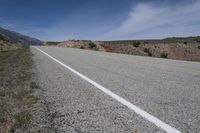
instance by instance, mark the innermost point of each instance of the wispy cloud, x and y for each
(147, 20)
(56, 32)
(9, 26)
(5, 24)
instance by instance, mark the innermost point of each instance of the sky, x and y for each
(59, 20)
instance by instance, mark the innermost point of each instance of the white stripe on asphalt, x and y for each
(131, 106)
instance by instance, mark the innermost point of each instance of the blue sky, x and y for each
(58, 20)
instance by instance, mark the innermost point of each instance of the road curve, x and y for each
(166, 89)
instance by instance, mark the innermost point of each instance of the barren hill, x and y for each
(82, 44)
(173, 48)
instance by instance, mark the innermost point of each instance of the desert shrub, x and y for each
(136, 43)
(198, 40)
(92, 45)
(82, 47)
(198, 47)
(1, 37)
(96, 49)
(185, 43)
(146, 50)
(52, 43)
(164, 55)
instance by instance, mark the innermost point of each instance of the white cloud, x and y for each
(153, 21)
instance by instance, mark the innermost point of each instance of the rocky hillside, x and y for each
(5, 45)
(82, 44)
(173, 48)
(17, 38)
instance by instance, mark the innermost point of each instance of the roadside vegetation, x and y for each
(146, 50)
(178, 48)
(164, 55)
(93, 46)
(136, 43)
(52, 43)
(82, 47)
(16, 90)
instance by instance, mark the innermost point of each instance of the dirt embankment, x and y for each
(181, 51)
(82, 44)
(172, 48)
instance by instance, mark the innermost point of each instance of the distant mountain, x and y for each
(18, 38)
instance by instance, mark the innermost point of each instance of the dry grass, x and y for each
(16, 88)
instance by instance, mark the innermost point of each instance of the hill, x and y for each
(17, 38)
(187, 48)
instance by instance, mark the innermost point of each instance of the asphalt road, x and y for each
(167, 89)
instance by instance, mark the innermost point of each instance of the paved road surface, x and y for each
(167, 89)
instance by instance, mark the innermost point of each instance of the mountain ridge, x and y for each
(18, 38)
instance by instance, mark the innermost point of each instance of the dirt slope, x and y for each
(172, 48)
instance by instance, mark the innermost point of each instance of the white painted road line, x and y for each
(131, 106)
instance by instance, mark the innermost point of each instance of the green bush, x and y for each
(185, 43)
(92, 45)
(136, 43)
(96, 49)
(164, 55)
(82, 47)
(146, 50)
